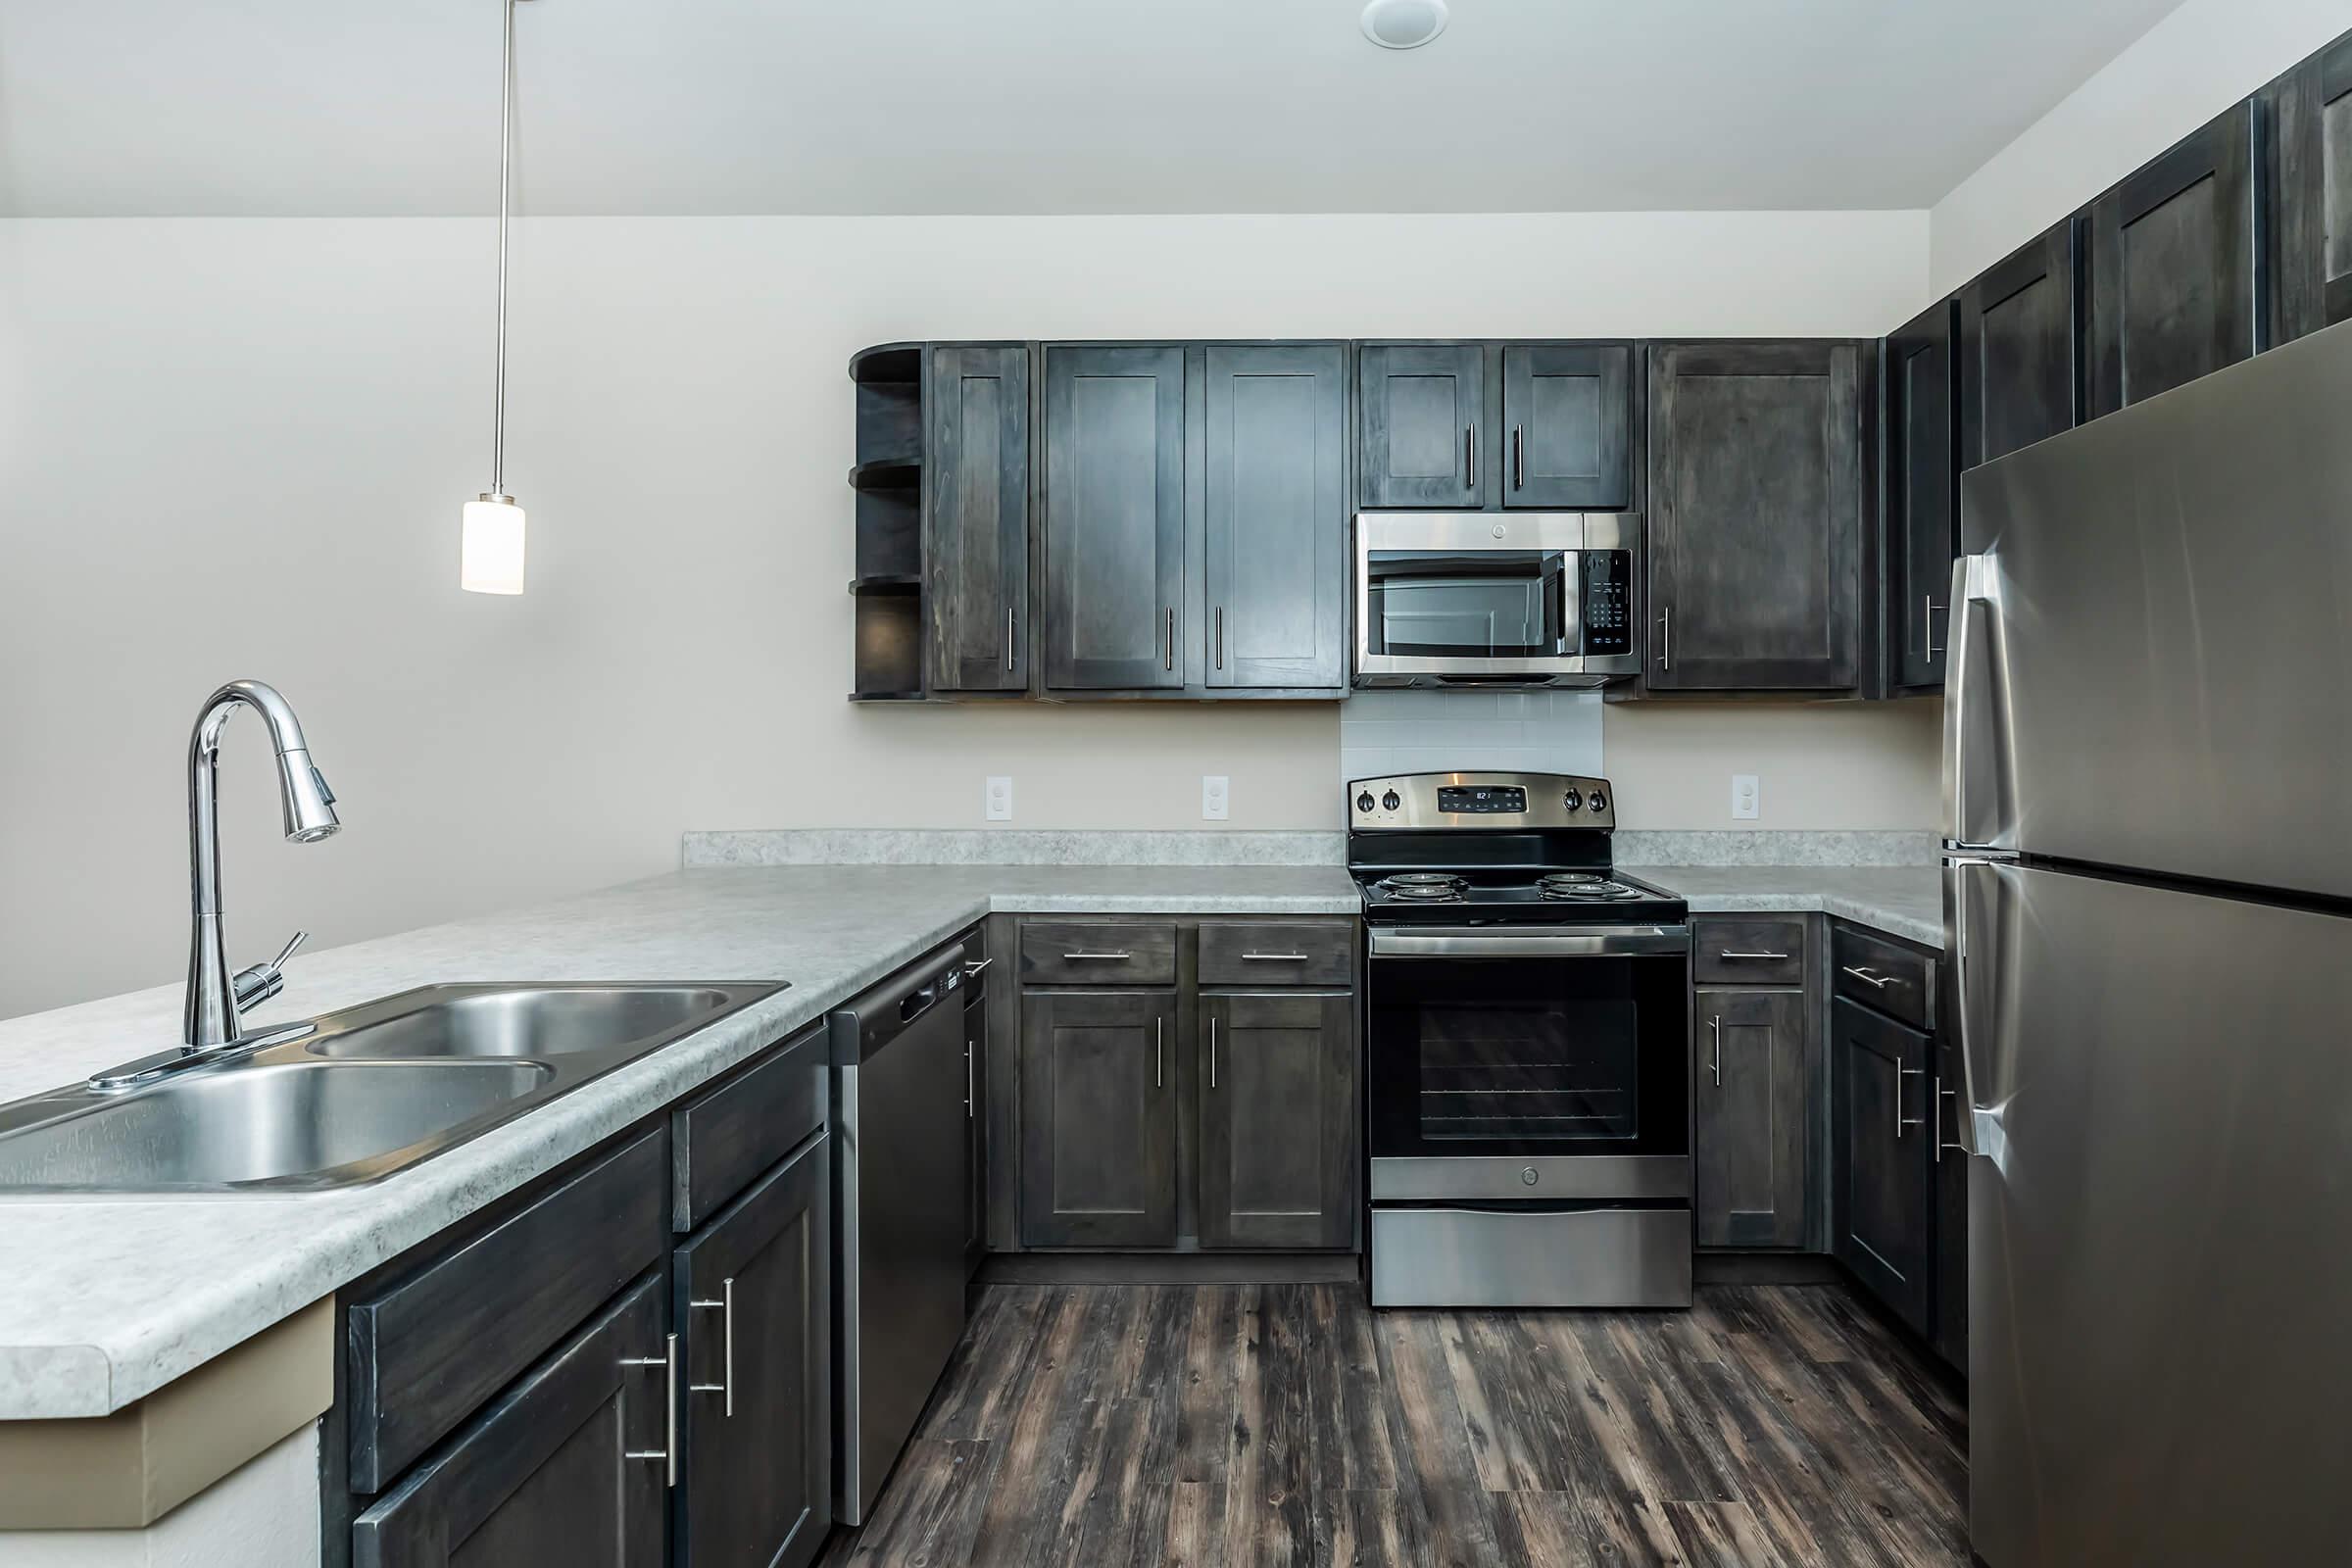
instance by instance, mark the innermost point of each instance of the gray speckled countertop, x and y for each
(1904, 901)
(105, 1299)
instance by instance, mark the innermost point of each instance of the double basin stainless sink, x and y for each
(369, 1090)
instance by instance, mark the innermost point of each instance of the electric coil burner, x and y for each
(1527, 1039)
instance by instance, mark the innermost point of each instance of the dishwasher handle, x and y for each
(880, 1015)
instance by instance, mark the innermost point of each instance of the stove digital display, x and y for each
(1456, 799)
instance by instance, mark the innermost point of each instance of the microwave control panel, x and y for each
(1607, 590)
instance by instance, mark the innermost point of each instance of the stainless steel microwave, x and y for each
(1496, 597)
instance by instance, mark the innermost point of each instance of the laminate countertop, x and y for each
(1903, 901)
(103, 1300)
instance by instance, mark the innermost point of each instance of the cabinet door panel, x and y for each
(1278, 1120)
(1567, 415)
(1274, 519)
(2312, 229)
(1097, 1118)
(754, 1307)
(1922, 491)
(1951, 1210)
(1750, 1135)
(1757, 500)
(2174, 269)
(1423, 440)
(1114, 517)
(2020, 348)
(1883, 1155)
(977, 548)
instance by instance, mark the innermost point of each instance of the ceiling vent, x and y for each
(1403, 24)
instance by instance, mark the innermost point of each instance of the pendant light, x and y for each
(490, 542)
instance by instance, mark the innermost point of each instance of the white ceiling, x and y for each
(340, 107)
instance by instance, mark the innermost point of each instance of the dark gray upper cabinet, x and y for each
(754, 1307)
(2021, 338)
(1278, 1120)
(1758, 496)
(2312, 219)
(1749, 1119)
(976, 530)
(1099, 1118)
(1567, 418)
(1424, 441)
(1882, 1155)
(1274, 518)
(1114, 517)
(2175, 266)
(1922, 492)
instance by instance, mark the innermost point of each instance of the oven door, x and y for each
(1492, 1053)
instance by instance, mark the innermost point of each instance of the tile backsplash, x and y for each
(1382, 733)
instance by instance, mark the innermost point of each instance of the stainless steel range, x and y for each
(1527, 1041)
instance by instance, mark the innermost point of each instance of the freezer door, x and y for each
(2160, 1206)
(2152, 648)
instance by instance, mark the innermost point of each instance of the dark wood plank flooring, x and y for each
(1239, 1426)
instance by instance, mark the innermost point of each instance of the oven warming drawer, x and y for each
(1531, 1257)
(1540, 1178)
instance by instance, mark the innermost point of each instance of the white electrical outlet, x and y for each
(1213, 794)
(1744, 795)
(1000, 800)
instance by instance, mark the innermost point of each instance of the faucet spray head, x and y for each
(310, 805)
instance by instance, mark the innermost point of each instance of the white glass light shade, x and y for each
(490, 552)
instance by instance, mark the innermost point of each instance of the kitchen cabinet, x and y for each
(1274, 516)
(753, 1302)
(1114, 517)
(975, 1112)
(2021, 340)
(1424, 439)
(1759, 491)
(1882, 1157)
(1922, 410)
(2176, 266)
(1099, 1118)
(2312, 221)
(568, 1465)
(1278, 1116)
(976, 525)
(1949, 1162)
(1566, 431)
(1750, 1119)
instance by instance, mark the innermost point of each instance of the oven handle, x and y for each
(1491, 944)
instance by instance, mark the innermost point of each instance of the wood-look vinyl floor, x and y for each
(1239, 1426)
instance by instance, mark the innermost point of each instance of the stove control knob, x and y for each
(1597, 802)
(1528, 1176)
(1363, 802)
(1391, 801)
(1573, 800)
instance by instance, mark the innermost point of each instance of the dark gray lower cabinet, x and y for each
(752, 1305)
(1750, 1113)
(1950, 1162)
(566, 1466)
(1099, 1118)
(1274, 516)
(1114, 517)
(1278, 1118)
(1882, 1157)
(2312, 216)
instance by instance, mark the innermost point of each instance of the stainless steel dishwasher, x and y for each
(899, 1219)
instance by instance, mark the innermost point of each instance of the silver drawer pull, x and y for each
(1273, 957)
(1108, 958)
(1761, 958)
(1212, 1051)
(726, 1305)
(667, 1453)
(1881, 981)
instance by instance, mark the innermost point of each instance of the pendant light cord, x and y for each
(505, 152)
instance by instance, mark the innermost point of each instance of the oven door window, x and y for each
(1529, 1055)
(1481, 604)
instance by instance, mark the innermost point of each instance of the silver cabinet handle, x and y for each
(1008, 636)
(1470, 453)
(1926, 630)
(1715, 1028)
(1881, 981)
(667, 1453)
(1518, 457)
(1903, 1072)
(1171, 656)
(1107, 957)
(1160, 1041)
(1221, 636)
(725, 1306)
(1666, 638)
(1762, 957)
(1212, 1050)
(968, 1095)
(1273, 957)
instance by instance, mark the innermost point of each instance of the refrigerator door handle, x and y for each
(1973, 811)
(1967, 880)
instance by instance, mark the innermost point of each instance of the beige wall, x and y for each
(237, 447)
(2186, 70)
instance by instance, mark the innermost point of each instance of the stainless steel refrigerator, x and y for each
(2148, 909)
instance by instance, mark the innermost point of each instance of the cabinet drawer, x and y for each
(1254, 952)
(1103, 953)
(428, 1349)
(1768, 950)
(723, 1139)
(1895, 980)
